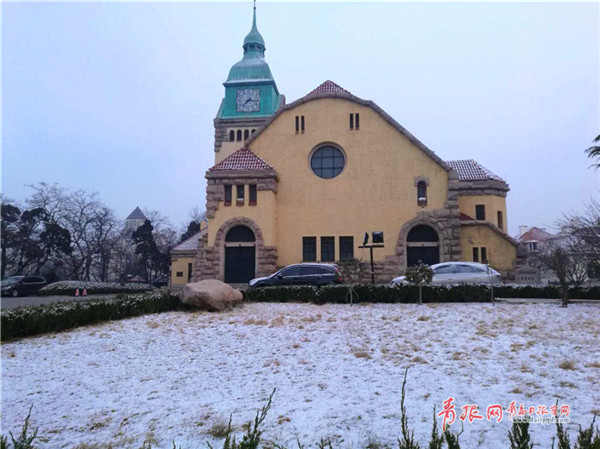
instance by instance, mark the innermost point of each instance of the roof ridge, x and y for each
(328, 86)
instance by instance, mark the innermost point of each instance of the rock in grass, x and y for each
(211, 295)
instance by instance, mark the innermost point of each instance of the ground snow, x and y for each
(338, 371)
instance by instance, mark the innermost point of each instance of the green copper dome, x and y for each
(253, 65)
(250, 90)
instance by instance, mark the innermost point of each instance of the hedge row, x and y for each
(406, 293)
(67, 288)
(25, 321)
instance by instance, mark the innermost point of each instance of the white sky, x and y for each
(119, 98)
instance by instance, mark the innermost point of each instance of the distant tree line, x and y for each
(62, 234)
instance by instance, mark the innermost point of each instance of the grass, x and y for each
(567, 365)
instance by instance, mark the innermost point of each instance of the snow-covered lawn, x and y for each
(338, 371)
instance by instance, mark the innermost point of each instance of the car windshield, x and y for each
(11, 280)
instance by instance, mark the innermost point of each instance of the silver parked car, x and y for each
(459, 273)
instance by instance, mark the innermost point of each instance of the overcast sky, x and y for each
(119, 98)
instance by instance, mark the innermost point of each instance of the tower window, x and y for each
(480, 212)
(239, 135)
(327, 249)
(252, 194)
(232, 135)
(227, 195)
(500, 220)
(309, 249)
(422, 193)
(239, 194)
(246, 134)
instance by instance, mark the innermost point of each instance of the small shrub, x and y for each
(24, 441)
(519, 436)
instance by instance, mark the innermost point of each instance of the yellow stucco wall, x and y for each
(375, 192)
(492, 203)
(500, 252)
(180, 263)
(263, 214)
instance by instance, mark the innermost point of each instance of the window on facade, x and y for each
(421, 193)
(475, 254)
(327, 249)
(356, 121)
(179, 274)
(228, 195)
(297, 124)
(309, 249)
(532, 246)
(480, 212)
(190, 269)
(232, 135)
(252, 194)
(351, 122)
(239, 135)
(253, 131)
(346, 248)
(246, 134)
(301, 123)
(327, 162)
(500, 220)
(484, 258)
(239, 197)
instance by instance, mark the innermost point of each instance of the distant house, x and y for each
(135, 220)
(182, 259)
(536, 239)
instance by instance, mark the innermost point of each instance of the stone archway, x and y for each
(422, 246)
(265, 256)
(444, 243)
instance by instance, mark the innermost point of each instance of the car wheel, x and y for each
(15, 293)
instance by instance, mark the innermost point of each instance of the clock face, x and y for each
(248, 100)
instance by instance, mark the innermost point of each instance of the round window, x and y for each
(327, 162)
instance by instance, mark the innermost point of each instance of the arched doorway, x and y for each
(240, 255)
(422, 246)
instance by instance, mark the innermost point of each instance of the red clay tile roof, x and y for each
(243, 159)
(329, 87)
(536, 234)
(465, 217)
(469, 170)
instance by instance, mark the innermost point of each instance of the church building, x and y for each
(303, 182)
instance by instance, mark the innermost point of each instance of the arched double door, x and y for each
(240, 255)
(422, 246)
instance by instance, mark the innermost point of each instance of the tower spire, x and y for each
(254, 41)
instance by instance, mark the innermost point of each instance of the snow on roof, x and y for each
(191, 244)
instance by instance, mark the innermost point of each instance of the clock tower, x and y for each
(251, 97)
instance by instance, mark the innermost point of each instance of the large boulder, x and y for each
(211, 295)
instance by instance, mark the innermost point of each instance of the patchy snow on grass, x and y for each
(338, 371)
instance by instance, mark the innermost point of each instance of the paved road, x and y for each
(10, 302)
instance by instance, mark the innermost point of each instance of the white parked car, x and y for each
(459, 273)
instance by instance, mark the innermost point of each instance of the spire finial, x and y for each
(254, 17)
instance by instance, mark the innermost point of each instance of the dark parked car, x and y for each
(22, 285)
(302, 274)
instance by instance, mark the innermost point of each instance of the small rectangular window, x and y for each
(179, 274)
(302, 123)
(475, 254)
(252, 195)
(356, 121)
(227, 195)
(346, 248)
(190, 269)
(327, 249)
(239, 194)
(309, 249)
(351, 122)
(480, 212)
(297, 124)
(484, 258)
(500, 220)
